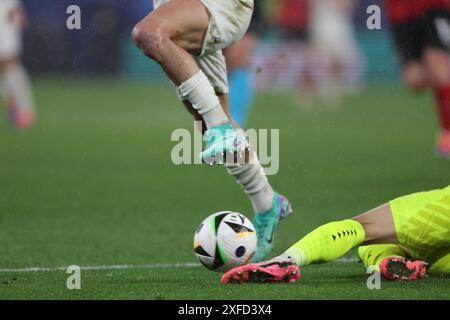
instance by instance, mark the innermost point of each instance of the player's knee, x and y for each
(437, 66)
(439, 77)
(415, 82)
(150, 39)
(415, 85)
(414, 76)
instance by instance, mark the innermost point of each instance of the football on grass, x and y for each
(225, 240)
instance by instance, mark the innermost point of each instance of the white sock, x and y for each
(17, 86)
(253, 180)
(200, 93)
(294, 255)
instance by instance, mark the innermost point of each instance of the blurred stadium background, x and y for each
(103, 45)
(92, 184)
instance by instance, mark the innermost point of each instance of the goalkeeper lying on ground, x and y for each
(405, 239)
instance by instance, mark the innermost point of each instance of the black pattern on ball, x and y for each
(218, 220)
(218, 261)
(200, 227)
(240, 251)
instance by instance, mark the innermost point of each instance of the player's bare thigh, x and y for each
(432, 71)
(185, 22)
(378, 225)
(437, 66)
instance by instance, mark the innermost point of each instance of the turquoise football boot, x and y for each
(266, 224)
(224, 144)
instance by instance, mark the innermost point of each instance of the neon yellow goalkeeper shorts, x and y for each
(422, 223)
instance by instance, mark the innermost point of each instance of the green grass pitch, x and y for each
(93, 185)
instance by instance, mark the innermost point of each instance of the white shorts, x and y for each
(10, 34)
(229, 22)
(332, 33)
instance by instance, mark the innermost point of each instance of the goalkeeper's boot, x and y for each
(442, 148)
(402, 269)
(263, 272)
(225, 145)
(266, 224)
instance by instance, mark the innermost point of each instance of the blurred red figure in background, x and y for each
(293, 17)
(421, 31)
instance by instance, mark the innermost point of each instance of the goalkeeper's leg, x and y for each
(326, 243)
(441, 264)
(392, 262)
(373, 255)
(332, 240)
(426, 211)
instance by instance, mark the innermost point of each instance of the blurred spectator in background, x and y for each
(292, 19)
(317, 53)
(15, 86)
(240, 75)
(421, 30)
(334, 44)
(96, 48)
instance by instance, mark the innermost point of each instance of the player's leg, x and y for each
(414, 76)
(422, 49)
(419, 222)
(441, 265)
(269, 206)
(409, 38)
(437, 66)
(325, 243)
(212, 65)
(16, 87)
(374, 254)
(332, 240)
(17, 94)
(176, 31)
(433, 72)
(393, 222)
(169, 35)
(395, 264)
(436, 61)
(392, 262)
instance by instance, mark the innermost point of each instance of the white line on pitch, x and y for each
(347, 260)
(106, 267)
(128, 266)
